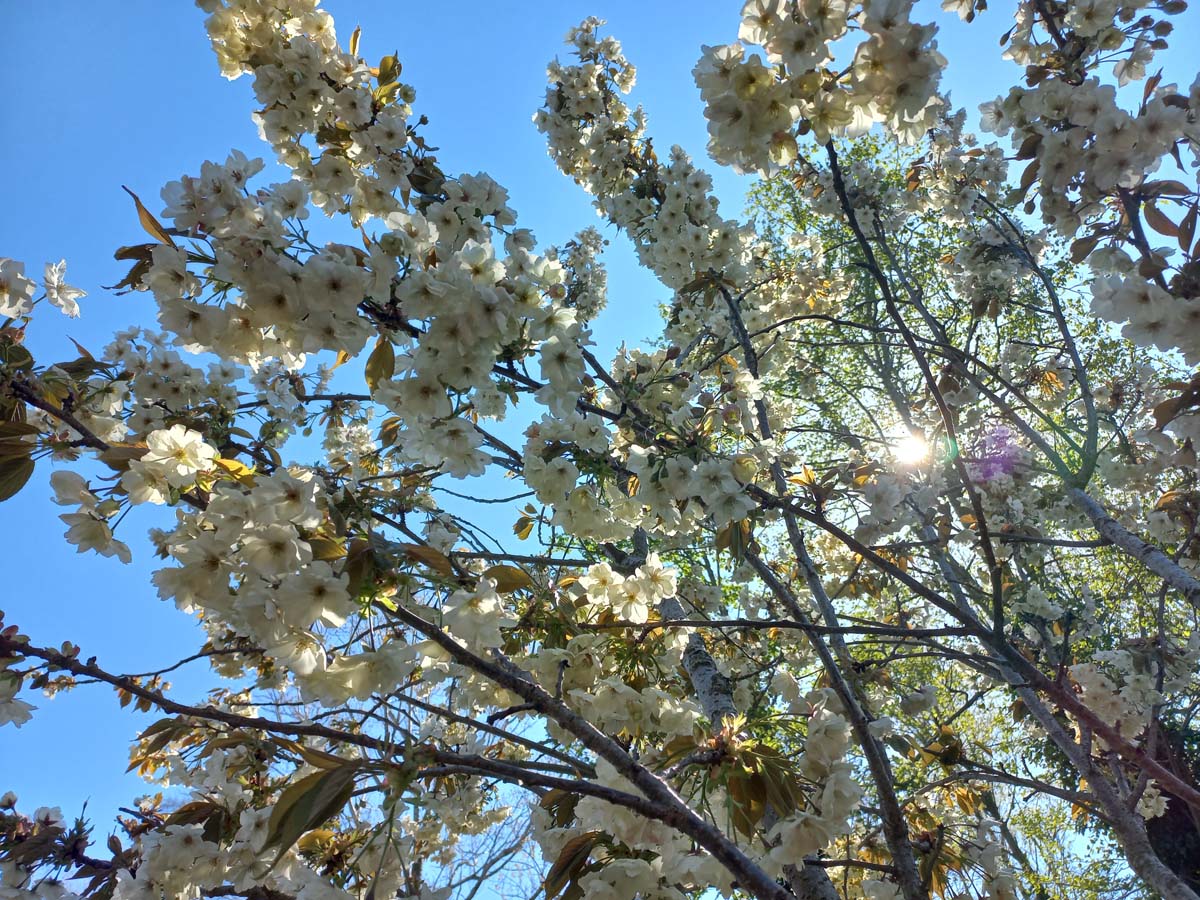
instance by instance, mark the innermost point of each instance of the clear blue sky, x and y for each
(100, 95)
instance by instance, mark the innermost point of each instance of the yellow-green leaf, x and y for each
(241, 472)
(389, 69)
(381, 364)
(325, 548)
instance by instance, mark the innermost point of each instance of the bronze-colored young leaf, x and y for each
(118, 456)
(15, 356)
(508, 578)
(435, 559)
(1187, 230)
(381, 364)
(14, 473)
(326, 548)
(17, 429)
(152, 226)
(1083, 247)
(1158, 220)
(523, 528)
(307, 803)
(573, 856)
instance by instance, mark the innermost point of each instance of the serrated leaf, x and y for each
(747, 801)
(319, 758)
(735, 537)
(153, 739)
(385, 93)
(360, 568)
(1028, 177)
(83, 351)
(1029, 146)
(1166, 188)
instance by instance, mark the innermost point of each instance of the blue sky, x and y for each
(100, 95)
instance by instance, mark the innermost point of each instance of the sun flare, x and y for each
(911, 449)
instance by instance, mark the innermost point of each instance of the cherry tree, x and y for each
(876, 575)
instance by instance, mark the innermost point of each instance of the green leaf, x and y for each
(14, 473)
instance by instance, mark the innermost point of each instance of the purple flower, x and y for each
(994, 455)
